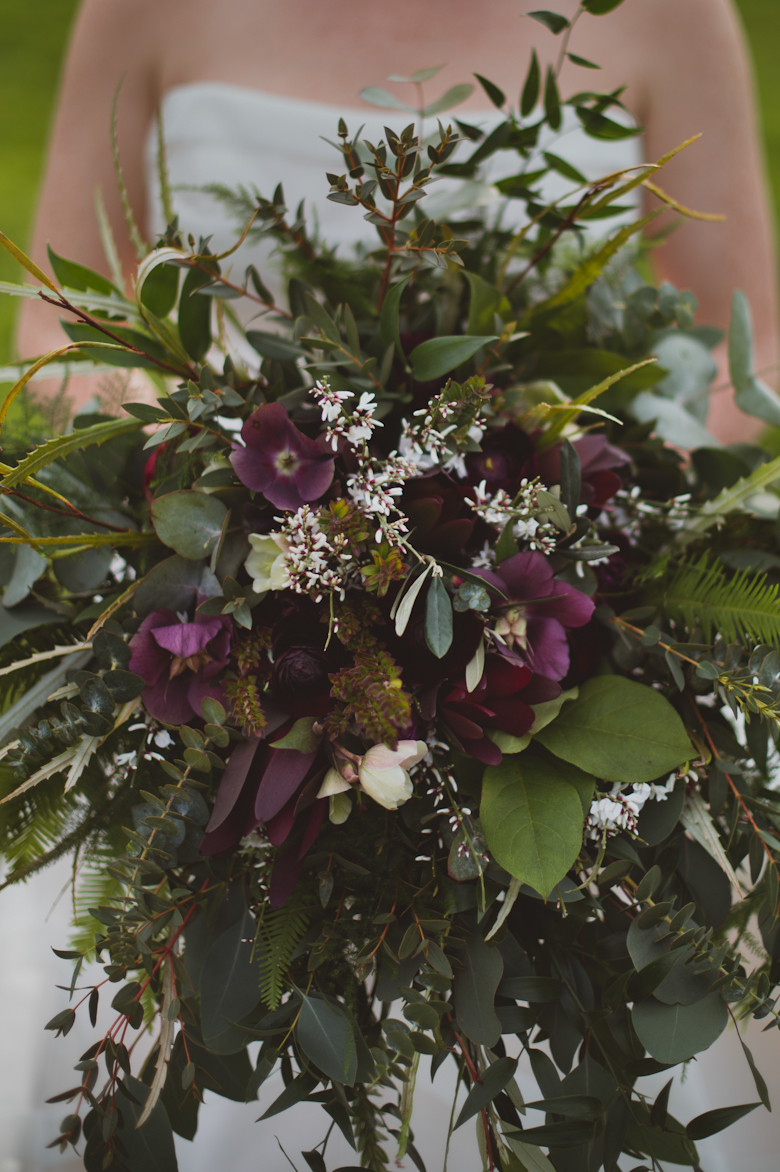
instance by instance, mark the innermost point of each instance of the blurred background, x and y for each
(33, 37)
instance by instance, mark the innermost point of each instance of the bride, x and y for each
(245, 89)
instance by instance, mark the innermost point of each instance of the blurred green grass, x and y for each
(33, 38)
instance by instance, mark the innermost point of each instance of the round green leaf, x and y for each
(532, 817)
(619, 730)
(189, 522)
(438, 356)
(175, 583)
(674, 1033)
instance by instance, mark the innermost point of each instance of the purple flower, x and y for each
(279, 461)
(535, 630)
(179, 660)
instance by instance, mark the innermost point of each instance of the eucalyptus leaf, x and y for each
(326, 1037)
(675, 1033)
(189, 522)
(492, 1082)
(229, 985)
(474, 990)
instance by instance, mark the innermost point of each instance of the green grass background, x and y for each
(33, 37)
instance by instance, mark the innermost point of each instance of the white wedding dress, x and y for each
(218, 133)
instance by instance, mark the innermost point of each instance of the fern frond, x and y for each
(280, 932)
(742, 608)
(94, 887)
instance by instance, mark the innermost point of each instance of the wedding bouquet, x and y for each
(411, 695)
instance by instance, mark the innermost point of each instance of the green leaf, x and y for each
(674, 1033)
(438, 356)
(531, 88)
(229, 985)
(711, 1122)
(295, 1092)
(493, 1081)
(374, 95)
(453, 97)
(438, 618)
(486, 301)
(583, 61)
(301, 736)
(563, 168)
(175, 583)
(729, 500)
(105, 349)
(533, 1158)
(388, 316)
(326, 1037)
(148, 1149)
(160, 289)
(76, 276)
(496, 95)
(474, 990)
(273, 346)
(600, 7)
(195, 315)
(751, 395)
(597, 126)
(532, 818)
(63, 445)
(744, 607)
(551, 20)
(552, 100)
(189, 522)
(619, 730)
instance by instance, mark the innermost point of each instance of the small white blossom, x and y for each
(620, 808)
(163, 739)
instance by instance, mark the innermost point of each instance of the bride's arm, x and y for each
(111, 40)
(698, 80)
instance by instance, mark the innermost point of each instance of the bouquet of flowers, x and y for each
(397, 688)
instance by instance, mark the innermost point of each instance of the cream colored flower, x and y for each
(383, 772)
(339, 808)
(266, 563)
(333, 783)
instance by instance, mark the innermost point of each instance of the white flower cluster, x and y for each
(356, 426)
(375, 487)
(498, 508)
(620, 809)
(427, 446)
(315, 563)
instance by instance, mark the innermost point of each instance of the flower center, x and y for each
(287, 462)
(513, 626)
(193, 662)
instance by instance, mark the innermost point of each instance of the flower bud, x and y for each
(383, 772)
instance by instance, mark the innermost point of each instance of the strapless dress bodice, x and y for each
(235, 136)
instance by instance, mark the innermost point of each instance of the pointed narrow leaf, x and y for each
(453, 97)
(531, 88)
(404, 611)
(388, 316)
(496, 95)
(374, 95)
(325, 1035)
(438, 356)
(711, 1122)
(438, 618)
(484, 1092)
(551, 20)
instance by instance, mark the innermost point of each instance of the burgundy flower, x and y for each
(179, 661)
(537, 611)
(279, 461)
(443, 522)
(507, 455)
(598, 461)
(501, 700)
